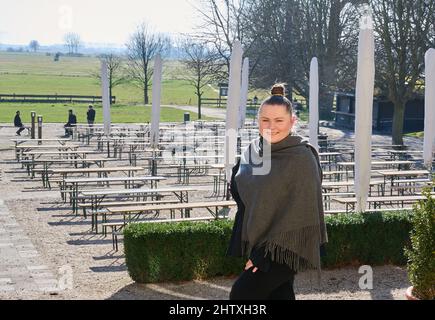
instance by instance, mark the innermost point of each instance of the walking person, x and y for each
(90, 115)
(19, 124)
(72, 121)
(279, 224)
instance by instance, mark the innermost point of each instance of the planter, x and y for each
(409, 295)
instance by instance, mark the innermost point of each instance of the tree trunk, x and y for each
(326, 100)
(199, 105)
(145, 94)
(398, 121)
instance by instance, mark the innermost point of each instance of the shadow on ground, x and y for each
(387, 285)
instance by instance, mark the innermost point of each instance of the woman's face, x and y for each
(278, 120)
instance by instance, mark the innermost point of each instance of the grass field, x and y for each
(119, 114)
(37, 73)
(419, 134)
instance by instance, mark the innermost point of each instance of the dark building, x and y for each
(383, 110)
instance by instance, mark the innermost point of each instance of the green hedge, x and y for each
(192, 250)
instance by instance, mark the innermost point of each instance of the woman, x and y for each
(279, 223)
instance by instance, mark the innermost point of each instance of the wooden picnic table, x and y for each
(403, 153)
(20, 149)
(387, 164)
(82, 153)
(138, 211)
(128, 184)
(86, 162)
(182, 193)
(184, 207)
(393, 174)
(129, 170)
(378, 201)
(23, 140)
(327, 185)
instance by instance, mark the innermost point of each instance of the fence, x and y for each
(56, 98)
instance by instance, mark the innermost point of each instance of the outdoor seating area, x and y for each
(119, 179)
(210, 149)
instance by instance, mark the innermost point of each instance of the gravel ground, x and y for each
(62, 239)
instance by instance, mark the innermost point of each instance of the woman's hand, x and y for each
(249, 264)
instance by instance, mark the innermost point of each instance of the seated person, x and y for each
(72, 121)
(19, 124)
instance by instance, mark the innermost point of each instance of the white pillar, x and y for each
(105, 97)
(314, 103)
(429, 108)
(364, 111)
(155, 116)
(244, 93)
(234, 87)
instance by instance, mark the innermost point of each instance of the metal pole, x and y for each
(39, 129)
(33, 116)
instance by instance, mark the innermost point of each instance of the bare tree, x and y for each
(402, 28)
(115, 71)
(143, 46)
(286, 34)
(202, 63)
(72, 42)
(34, 45)
(222, 22)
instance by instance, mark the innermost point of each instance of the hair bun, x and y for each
(278, 90)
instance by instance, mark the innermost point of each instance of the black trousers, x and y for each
(20, 129)
(275, 284)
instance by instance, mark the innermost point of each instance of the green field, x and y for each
(419, 134)
(38, 74)
(119, 114)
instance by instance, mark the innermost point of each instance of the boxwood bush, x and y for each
(196, 250)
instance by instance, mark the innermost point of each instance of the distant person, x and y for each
(72, 121)
(19, 124)
(255, 100)
(90, 115)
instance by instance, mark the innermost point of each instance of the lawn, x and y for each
(38, 74)
(119, 113)
(419, 134)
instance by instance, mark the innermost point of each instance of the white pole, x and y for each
(244, 92)
(429, 108)
(314, 103)
(364, 110)
(105, 97)
(155, 116)
(234, 86)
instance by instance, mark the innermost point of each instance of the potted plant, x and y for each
(421, 254)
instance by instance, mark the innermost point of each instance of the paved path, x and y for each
(205, 111)
(20, 267)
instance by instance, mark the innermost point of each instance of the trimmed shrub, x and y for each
(158, 252)
(421, 254)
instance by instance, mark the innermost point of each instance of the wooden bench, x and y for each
(117, 226)
(327, 197)
(104, 212)
(173, 207)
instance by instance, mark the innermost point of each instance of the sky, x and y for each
(96, 21)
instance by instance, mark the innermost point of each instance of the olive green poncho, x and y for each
(283, 208)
